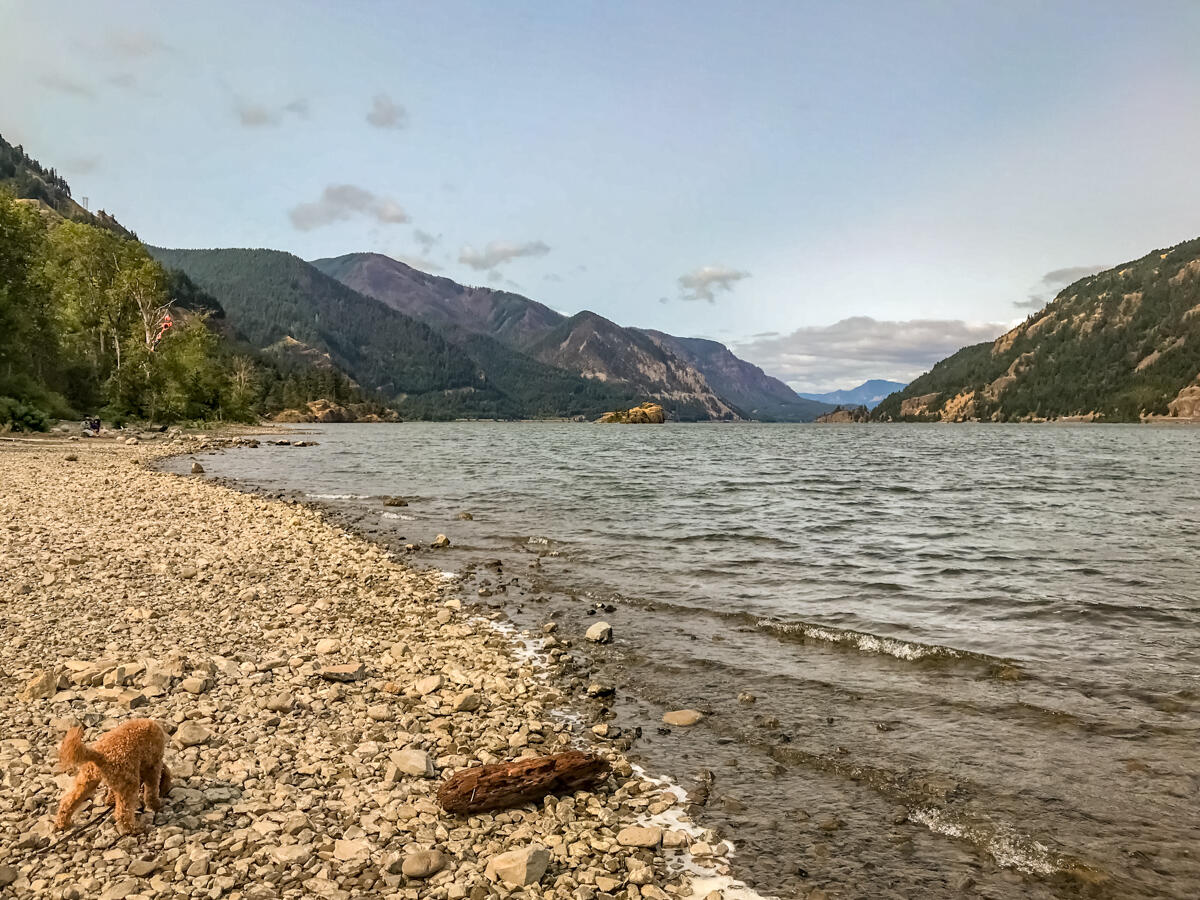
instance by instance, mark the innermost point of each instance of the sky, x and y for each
(838, 191)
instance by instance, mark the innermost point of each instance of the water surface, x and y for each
(973, 650)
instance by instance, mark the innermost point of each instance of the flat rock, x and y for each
(192, 734)
(423, 863)
(640, 836)
(344, 673)
(682, 718)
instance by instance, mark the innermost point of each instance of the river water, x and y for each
(973, 651)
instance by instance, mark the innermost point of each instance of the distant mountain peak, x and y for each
(869, 394)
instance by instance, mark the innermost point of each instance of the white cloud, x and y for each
(1053, 282)
(387, 113)
(425, 239)
(339, 202)
(66, 85)
(133, 44)
(847, 353)
(706, 282)
(497, 253)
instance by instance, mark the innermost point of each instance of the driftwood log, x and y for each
(504, 785)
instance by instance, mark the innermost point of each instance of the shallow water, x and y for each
(975, 651)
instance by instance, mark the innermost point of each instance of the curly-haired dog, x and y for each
(126, 759)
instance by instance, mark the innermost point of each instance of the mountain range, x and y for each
(1117, 346)
(693, 378)
(869, 394)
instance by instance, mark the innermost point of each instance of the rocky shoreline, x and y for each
(317, 691)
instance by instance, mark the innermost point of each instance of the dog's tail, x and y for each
(73, 752)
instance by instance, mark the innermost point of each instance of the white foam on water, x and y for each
(705, 870)
(861, 640)
(1006, 846)
(337, 497)
(402, 518)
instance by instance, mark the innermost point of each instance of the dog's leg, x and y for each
(127, 797)
(85, 785)
(164, 782)
(151, 780)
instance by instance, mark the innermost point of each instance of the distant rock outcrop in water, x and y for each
(845, 415)
(646, 414)
(327, 412)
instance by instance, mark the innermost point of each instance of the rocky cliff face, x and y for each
(746, 387)
(1116, 346)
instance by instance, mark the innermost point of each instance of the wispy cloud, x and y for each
(706, 282)
(849, 352)
(64, 84)
(133, 44)
(387, 113)
(497, 253)
(252, 114)
(426, 240)
(1053, 282)
(339, 202)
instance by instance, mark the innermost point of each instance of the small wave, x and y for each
(402, 518)
(337, 497)
(1008, 847)
(866, 642)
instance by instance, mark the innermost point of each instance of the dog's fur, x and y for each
(127, 759)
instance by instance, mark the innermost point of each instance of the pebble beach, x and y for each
(316, 691)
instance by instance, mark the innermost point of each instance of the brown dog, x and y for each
(126, 759)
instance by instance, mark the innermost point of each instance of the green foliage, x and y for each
(16, 416)
(1120, 344)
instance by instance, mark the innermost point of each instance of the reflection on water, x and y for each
(973, 650)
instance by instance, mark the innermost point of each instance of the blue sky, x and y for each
(838, 191)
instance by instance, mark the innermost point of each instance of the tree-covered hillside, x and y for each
(23, 177)
(1114, 346)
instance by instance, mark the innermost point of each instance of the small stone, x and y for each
(682, 718)
(519, 868)
(380, 712)
(423, 863)
(120, 889)
(197, 469)
(280, 702)
(640, 836)
(326, 646)
(746, 697)
(413, 762)
(345, 673)
(352, 851)
(429, 685)
(191, 734)
(467, 702)
(599, 633)
(140, 868)
(194, 685)
(7, 875)
(394, 501)
(41, 686)
(440, 541)
(292, 855)
(188, 571)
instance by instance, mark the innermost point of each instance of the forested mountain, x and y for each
(280, 302)
(744, 385)
(1114, 346)
(869, 394)
(692, 378)
(510, 318)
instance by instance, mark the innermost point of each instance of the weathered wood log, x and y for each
(504, 785)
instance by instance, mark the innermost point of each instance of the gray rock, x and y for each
(423, 863)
